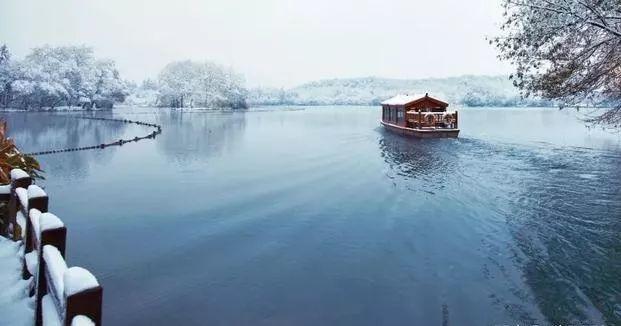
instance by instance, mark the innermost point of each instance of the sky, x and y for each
(274, 43)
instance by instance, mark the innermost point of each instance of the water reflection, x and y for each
(40, 131)
(197, 136)
(431, 161)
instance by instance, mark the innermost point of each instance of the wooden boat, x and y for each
(419, 116)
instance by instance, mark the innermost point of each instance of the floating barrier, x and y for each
(152, 135)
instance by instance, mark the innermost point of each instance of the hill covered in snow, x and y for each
(464, 90)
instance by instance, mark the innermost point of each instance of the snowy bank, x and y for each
(16, 307)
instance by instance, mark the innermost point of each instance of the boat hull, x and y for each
(421, 133)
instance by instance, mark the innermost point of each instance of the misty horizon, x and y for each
(273, 44)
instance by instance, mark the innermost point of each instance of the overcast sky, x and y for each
(272, 42)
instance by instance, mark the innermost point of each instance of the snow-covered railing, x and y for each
(19, 179)
(69, 293)
(63, 296)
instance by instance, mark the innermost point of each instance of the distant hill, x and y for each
(464, 90)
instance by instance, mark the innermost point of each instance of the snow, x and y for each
(35, 191)
(56, 266)
(50, 221)
(49, 312)
(44, 221)
(18, 174)
(402, 99)
(82, 321)
(5, 189)
(78, 279)
(16, 308)
(35, 217)
(21, 221)
(32, 262)
(22, 194)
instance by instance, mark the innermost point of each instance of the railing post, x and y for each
(53, 232)
(37, 199)
(83, 295)
(19, 179)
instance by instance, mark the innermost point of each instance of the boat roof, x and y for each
(403, 99)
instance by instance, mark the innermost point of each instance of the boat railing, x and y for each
(432, 120)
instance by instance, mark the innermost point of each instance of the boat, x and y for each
(419, 116)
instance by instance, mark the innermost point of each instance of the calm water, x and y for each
(320, 217)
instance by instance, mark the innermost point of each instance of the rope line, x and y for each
(119, 142)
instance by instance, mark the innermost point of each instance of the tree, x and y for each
(6, 76)
(566, 50)
(189, 84)
(177, 82)
(49, 77)
(55, 76)
(108, 85)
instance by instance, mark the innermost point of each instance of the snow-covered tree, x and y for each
(6, 76)
(146, 94)
(465, 90)
(55, 76)
(192, 84)
(109, 87)
(178, 81)
(566, 50)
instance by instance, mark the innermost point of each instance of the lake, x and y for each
(318, 216)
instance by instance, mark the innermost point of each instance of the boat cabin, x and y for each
(418, 112)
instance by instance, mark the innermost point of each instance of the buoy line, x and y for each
(120, 142)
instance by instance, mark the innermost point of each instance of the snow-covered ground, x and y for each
(16, 308)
